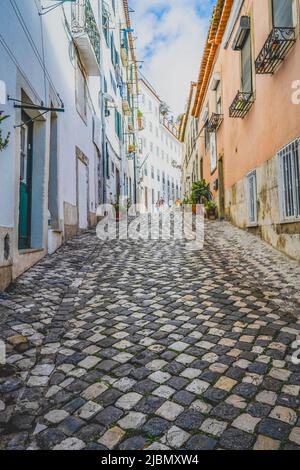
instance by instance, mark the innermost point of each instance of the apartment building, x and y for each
(192, 165)
(160, 150)
(248, 117)
(67, 87)
(120, 101)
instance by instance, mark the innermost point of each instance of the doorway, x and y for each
(25, 187)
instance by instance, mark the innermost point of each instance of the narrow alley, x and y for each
(125, 345)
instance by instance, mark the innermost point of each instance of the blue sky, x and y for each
(171, 35)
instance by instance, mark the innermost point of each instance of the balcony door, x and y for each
(25, 187)
(282, 11)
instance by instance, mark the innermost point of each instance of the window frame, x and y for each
(295, 179)
(252, 176)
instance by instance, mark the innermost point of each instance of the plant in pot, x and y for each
(3, 141)
(201, 194)
(211, 210)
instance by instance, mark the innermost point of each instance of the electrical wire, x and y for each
(33, 46)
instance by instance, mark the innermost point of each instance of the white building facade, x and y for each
(160, 152)
(63, 140)
(120, 101)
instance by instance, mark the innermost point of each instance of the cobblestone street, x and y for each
(148, 345)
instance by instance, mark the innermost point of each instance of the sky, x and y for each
(170, 40)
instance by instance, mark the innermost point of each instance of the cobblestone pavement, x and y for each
(148, 345)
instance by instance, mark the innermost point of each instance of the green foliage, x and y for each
(211, 205)
(201, 192)
(3, 141)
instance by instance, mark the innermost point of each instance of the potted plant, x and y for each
(140, 120)
(211, 210)
(201, 194)
(3, 141)
(131, 148)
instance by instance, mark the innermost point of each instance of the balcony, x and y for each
(241, 104)
(126, 108)
(214, 122)
(86, 36)
(276, 47)
(124, 56)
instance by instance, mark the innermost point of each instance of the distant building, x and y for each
(160, 151)
(248, 117)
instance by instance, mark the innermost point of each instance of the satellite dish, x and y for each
(2, 92)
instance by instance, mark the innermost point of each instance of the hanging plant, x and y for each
(3, 141)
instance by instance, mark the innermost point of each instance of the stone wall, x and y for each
(283, 236)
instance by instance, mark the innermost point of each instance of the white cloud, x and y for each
(171, 43)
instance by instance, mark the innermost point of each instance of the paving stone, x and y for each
(94, 391)
(295, 436)
(109, 416)
(225, 383)
(175, 437)
(71, 443)
(128, 401)
(197, 386)
(56, 416)
(169, 410)
(201, 406)
(213, 426)
(266, 443)
(287, 415)
(201, 442)
(225, 411)
(133, 443)
(88, 410)
(190, 419)
(246, 422)
(112, 437)
(156, 426)
(133, 420)
(267, 397)
(235, 439)
(273, 428)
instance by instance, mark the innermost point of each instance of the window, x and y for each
(282, 11)
(152, 172)
(158, 175)
(218, 99)
(157, 151)
(146, 170)
(151, 146)
(151, 127)
(247, 85)
(206, 136)
(81, 95)
(118, 124)
(252, 197)
(105, 25)
(289, 184)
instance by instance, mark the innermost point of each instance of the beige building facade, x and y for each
(248, 106)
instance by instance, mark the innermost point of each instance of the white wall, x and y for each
(159, 149)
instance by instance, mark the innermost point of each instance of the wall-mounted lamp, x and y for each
(58, 3)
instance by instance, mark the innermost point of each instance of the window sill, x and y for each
(28, 251)
(290, 221)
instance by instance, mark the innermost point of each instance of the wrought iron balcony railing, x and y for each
(86, 35)
(276, 47)
(241, 104)
(214, 122)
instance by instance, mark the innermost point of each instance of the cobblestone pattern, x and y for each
(148, 345)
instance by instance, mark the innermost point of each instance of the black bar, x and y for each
(39, 108)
